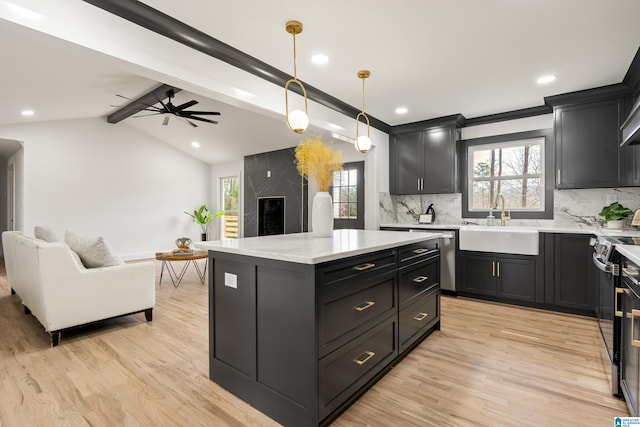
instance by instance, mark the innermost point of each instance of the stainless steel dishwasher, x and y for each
(447, 258)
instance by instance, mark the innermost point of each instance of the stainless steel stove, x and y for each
(607, 260)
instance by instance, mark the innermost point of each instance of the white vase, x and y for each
(617, 224)
(322, 215)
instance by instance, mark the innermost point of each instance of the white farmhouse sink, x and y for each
(508, 240)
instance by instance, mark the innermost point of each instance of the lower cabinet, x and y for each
(570, 274)
(561, 278)
(301, 342)
(513, 277)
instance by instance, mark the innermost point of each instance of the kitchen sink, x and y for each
(508, 240)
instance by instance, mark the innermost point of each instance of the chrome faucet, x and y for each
(503, 217)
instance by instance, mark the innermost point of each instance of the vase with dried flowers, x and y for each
(318, 161)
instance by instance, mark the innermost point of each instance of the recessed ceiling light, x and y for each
(27, 113)
(195, 144)
(546, 79)
(401, 110)
(319, 59)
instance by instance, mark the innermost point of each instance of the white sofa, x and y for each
(61, 293)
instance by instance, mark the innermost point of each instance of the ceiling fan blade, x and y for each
(203, 120)
(185, 105)
(187, 121)
(201, 113)
(165, 121)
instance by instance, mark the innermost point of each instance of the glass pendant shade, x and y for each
(363, 144)
(298, 121)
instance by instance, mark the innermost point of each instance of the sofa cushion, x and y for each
(45, 233)
(94, 251)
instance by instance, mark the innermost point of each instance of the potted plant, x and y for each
(203, 217)
(614, 214)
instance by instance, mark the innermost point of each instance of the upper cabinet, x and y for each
(422, 157)
(587, 137)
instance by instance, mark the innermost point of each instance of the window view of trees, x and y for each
(514, 169)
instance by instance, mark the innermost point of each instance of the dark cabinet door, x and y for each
(423, 161)
(629, 357)
(574, 278)
(439, 152)
(516, 278)
(632, 154)
(478, 274)
(406, 164)
(588, 153)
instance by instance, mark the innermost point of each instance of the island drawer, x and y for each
(418, 316)
(418, 278)
(347, 369)
(354, 269)
(347, 312)
(418, 252)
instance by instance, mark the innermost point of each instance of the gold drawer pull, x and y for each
(364, 305)
(364, 266)
(420, 279)
(420, 250)
(421, 316)
(367, 355)
(618, 292)
(634, 313)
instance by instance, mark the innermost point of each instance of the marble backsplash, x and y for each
(572, 208)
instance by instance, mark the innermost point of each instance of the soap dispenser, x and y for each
(491, 220)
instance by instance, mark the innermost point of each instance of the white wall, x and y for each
(92, 177)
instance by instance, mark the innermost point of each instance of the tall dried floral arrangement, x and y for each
(318, 161)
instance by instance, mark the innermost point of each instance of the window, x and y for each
(347, 193)
(511, 165)
(513, 169)
(229, 194)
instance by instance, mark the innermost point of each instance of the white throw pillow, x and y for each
(45, 233)
(94, 251)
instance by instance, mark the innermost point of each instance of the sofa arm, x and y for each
(74, 295)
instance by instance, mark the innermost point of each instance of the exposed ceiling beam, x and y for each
(134, 107)
(163, 24)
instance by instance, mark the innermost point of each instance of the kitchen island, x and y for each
(300, 327)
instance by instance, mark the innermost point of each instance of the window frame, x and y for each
(221, 223)
(548, 178)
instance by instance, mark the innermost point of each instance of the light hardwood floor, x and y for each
(490, 365)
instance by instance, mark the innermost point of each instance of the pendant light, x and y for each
(297, 120)
(363, 143)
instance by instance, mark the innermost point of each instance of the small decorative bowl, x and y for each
(183, 242)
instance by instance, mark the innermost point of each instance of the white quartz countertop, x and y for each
(542, 229)
(631, 252)
(303, 248)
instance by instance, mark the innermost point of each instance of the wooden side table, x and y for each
(168, 257)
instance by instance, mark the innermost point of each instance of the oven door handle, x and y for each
(606, 266)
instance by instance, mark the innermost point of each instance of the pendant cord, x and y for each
(294, 58)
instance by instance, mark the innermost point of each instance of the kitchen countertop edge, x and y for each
(303, 248)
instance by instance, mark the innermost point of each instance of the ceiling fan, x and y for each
(167, 109)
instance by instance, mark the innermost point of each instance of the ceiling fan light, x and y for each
(298, 121)
(363, 144)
